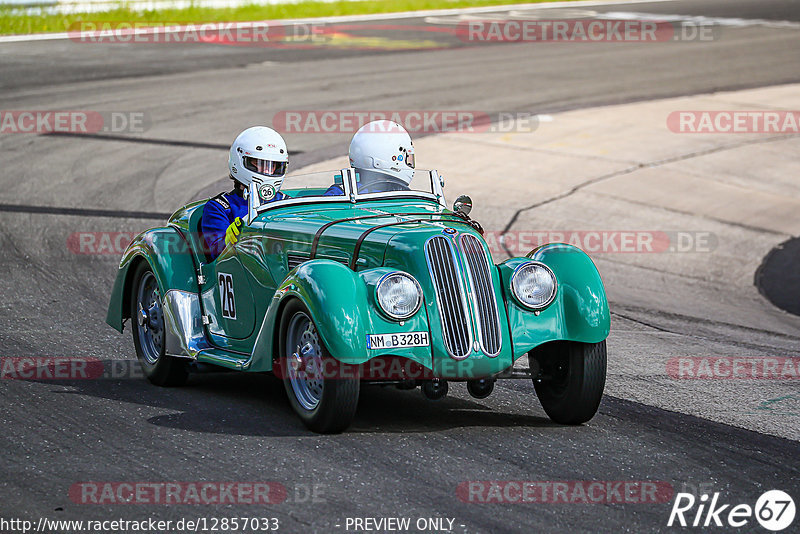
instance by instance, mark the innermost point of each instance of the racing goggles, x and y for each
(265, 167)
(407, 157)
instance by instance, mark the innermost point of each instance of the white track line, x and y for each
(699, 20)
(376, 16)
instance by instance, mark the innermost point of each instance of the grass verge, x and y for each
(38, 20)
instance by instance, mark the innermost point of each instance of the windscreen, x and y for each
(373, 184)
(329, 186)
(317, 184)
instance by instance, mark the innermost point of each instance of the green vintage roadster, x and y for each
(334, 292)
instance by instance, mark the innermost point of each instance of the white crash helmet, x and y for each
(383, 147)
(259, 154)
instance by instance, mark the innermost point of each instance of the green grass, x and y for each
(14, 22)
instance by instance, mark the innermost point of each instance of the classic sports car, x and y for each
(333, 292)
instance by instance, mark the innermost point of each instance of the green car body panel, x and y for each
(165, 249)
(272, 264)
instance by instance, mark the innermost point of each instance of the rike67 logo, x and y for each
(774, 510)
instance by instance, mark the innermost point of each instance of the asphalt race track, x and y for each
(404, 456)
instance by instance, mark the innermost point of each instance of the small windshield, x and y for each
(371, 183)
(315, 184)
(331, 186)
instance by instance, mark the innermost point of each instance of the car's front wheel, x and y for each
(322, 391)
(147, 318)
(571, 379)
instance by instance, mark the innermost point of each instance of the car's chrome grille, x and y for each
(486, 311)
(450, 297)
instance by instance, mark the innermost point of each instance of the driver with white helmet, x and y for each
(382, 154)
(259, 155)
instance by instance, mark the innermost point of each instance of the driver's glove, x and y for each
(232, 233)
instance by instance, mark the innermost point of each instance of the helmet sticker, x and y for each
(266, 192)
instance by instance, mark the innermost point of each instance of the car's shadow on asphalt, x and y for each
(387, 409)
(255, 404)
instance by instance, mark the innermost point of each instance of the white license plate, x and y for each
(392, 341)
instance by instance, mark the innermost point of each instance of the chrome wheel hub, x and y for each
(305, 361)
(149, 318)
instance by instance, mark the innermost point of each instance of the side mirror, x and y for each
(463, 205)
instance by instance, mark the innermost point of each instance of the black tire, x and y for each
(160, 369)
(332, 409)
(573, 378)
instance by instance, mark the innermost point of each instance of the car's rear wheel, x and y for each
(571, 379)
(322, 391)
(147, 321)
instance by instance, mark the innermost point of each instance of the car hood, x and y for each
(369, 233)
(405, 249)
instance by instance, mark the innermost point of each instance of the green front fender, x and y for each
(335, 296)
(578, 313)
(342, 305)
(169, 257)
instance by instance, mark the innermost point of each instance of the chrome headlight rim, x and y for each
(521, 302)
(386, 312)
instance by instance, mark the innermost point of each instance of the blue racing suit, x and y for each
(219, 213)
(334, 191)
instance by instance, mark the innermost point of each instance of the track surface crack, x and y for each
(629, 170)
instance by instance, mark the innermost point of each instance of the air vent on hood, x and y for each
(293, 260)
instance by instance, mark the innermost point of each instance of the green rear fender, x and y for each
(169, 257)
(335, 296)
(578, 313)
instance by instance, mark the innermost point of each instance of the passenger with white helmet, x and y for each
(382, 154)
(258, 155)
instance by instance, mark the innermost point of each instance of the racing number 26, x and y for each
(225, 281)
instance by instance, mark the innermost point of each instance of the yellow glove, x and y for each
(232, 233)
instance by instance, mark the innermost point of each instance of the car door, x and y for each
(227, 297)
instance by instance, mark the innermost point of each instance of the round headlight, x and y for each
(534, 285)
(399, 295)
